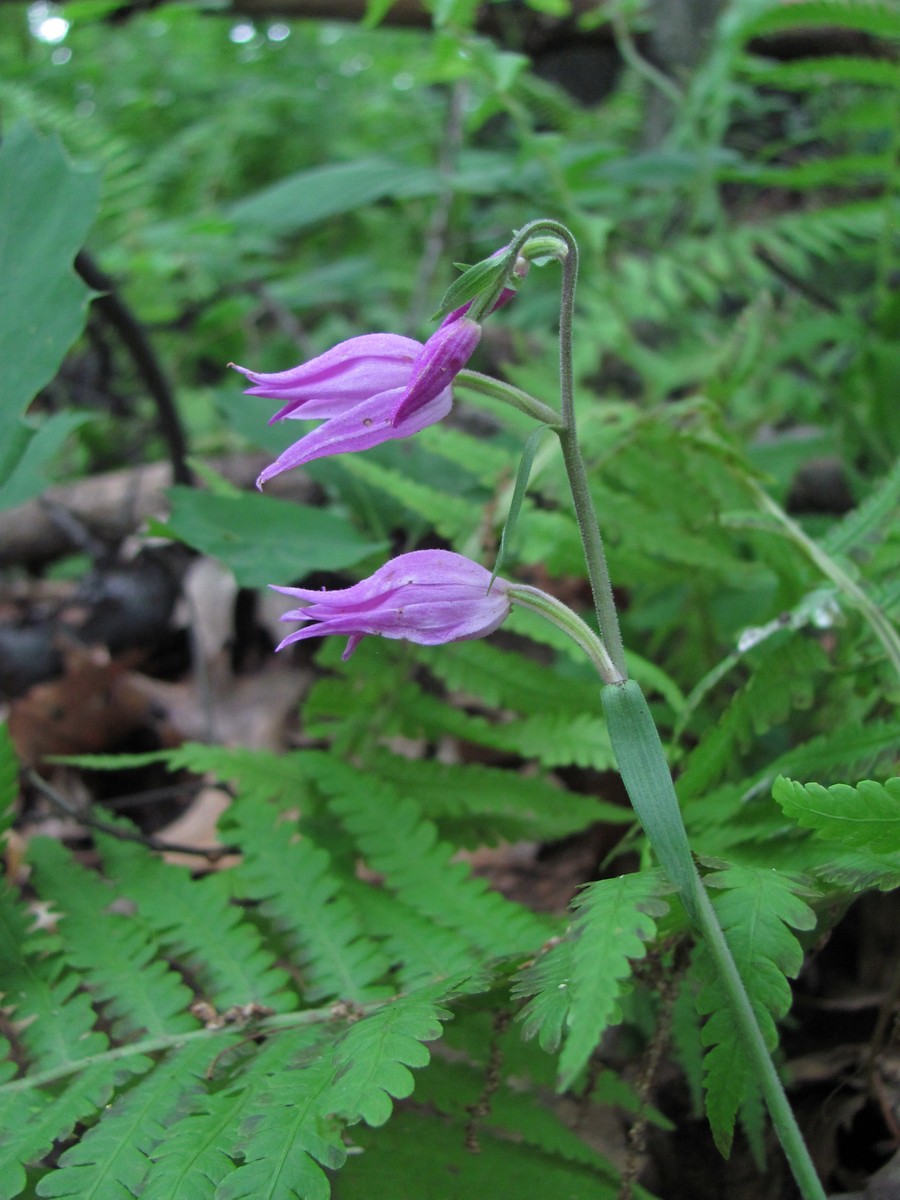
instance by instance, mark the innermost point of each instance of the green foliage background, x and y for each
(737, 317)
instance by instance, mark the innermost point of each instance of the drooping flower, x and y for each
(427, 596)
(442, 358)
(368, 389)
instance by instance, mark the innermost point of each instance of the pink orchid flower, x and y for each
(427, 596)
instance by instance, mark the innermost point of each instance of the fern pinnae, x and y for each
(204, 1143)
(287, 1137)
(32, 1123)
(373, 1057)
(110, 1161)
(758, 706)
(480, 803)
(110, 953)
(303, 898)
(399, 843)
(198, 921)
(419, 950)
(758, 910)
(576, 985)
(258, 776)
(55, 1021)
(865, 817)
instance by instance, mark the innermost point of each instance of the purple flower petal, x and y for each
(367, 424)
(429, 597)
(442, 357)
(340, 378)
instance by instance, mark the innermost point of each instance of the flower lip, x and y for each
(427, 596)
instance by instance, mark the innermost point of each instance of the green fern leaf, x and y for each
(864, 817)
(110, 1161)
(303, 899)
(453, 1090)
(197, 920)
(373, 1057)
(506, 680)
(201, 1147)
(868, 519)
(258, 776)
(55, 1021)
(115, 959)
(397, 842)
(479, 802)
(840, 749)
(782, 680)
(450, 516)
(286, 1137)
(31, 1121)
(546, 981)
(615, 920)
(391, 1165)
(861, 871)
(419, 949)
(868, 16)
(758, 909)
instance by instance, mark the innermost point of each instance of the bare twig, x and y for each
(211, 853)
(136, 342)
(438, 227)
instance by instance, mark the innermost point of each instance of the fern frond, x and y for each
(202, 1146)
(373, 1058)
(391, 1165)
(197, 920)
(758, 909)
(813, 73)
(55, 1022)
(453, 1089)
(865, 817)
(419, 949)
(111, 1159)
(30, 1124)
(546, 982)
(117, 962)
(285, 1138)
(476, 803)
(616, 918)
(450, 516)
(502, 679)
(400, 844)
(861, 870)
(303, 898)
(576, 987)
(259, 776)
(857, 750)
(865, 522)
(785, 668)
(868, 16)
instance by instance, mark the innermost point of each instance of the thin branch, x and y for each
(136, 342)
(794, 281)
(439, 225)
(211, 853)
